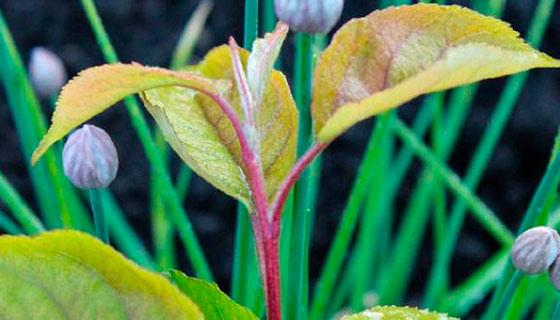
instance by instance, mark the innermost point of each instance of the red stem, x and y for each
(291, 179)
(266, 224)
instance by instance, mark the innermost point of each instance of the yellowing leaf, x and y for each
(215, 304)
(381, 61)
(71, 275)
(98, 88)
(397, 313)
(203, 137)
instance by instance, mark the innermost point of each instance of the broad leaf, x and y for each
(96, 89)
(71, 275)
(201, 134)
(383, 60)
(397, 313)
(215, 304)
(194, 125)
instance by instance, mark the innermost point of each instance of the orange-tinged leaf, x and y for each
(98, 88)
(203, 137)
(383, 60)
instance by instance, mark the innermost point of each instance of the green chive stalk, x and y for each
(101, 228)
(176, 211)
(482, 155)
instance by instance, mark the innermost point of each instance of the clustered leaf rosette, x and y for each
(373, 64)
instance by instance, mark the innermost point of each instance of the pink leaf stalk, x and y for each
(265, 219)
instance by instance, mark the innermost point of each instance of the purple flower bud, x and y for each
(554, 274)
(311, 16)
(47, 72)
(535, 250)
(90, 158)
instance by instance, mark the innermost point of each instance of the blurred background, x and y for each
(147, 31)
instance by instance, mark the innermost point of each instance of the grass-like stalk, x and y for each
(243, 256)
(100, 222)
(371, 219)
(19, 209)
(123, 235)
(485, 216)
(176, 211)
(472, 290)
(506, 103)
(46, 177)
(350, 215)
(545, 308)
(531, 216)
(8, 225)
(163, 230)
(190, 35)
(244, 246)
(298, 285)
(507, 295)
(556, 312)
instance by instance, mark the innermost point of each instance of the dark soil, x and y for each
(147, 30)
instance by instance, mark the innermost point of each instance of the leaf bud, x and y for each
(535, 250)
(311, 16)
(90, 158)
(47, 72)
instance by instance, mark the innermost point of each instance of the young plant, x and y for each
(232, 118)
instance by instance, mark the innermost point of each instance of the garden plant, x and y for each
(235, 121)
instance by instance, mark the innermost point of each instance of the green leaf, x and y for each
(195, 126)
(215, 304)
(201, 134)
(391, 56)
(397, 313)
(96, 89)
(71, 275)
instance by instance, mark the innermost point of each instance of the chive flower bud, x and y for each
(535, 250)
(47, 72)
(554, 274)
(311, 16)
(90, 158)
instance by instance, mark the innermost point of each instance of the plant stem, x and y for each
(57, 199)
(556, 312)
(343, 236)
(481, 212)
(243, 250)
(244, 247)
(123, 234)
(371, 219)
(301, 220)
(176, 211)
(101, 229)
(20, 210)
(508, 294)
(483, 153)
(7, 225)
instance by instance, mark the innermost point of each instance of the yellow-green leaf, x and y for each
(203, 137)
(71, 275)
(96, 89)
(397, 313)
(383, 60)
(215, 304)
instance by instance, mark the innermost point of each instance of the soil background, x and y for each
(146, 31)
